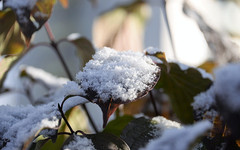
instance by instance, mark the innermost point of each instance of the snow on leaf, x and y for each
(179, 139)
(40, 76)
(122, 76)
(100, 141)
(113, 78)
(141, 130)
(19, 124)
(79, 142)
(181, 84)
(203, 105)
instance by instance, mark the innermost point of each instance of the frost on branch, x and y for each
(113, 78)
(179, 139)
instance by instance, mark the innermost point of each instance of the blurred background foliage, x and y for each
(197, 37)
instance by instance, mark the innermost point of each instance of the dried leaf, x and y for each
(85, 49)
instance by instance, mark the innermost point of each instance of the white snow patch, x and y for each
(184, 67)
(117, 75)
(204, 100)
(203, 104)
(179, 139)
(152, 50)
(205, 74)
(18, 124)
(163, 124)
(227, 85)
(74, 36)
(44, 77)
(18, 4)
(81, 143)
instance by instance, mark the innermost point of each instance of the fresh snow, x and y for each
(203, 103)
(161, 124)
(18, 124)
(117, 75)
(227, 86)
(81, 143)
(152, 50)
(179, 139)
(204, 74)
(41, 76)
(19, 4)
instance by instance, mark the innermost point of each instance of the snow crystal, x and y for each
(227, 85)
(18, 124)
(79, 142)
(117, 75)
(163, 124)
(179, 139)
(16, 4)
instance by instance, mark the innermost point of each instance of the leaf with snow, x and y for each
(30, 14)
(78, 142)
(181, 83)
(37, 75)
(100, 141)
(113, 78)
(141, 130)
(179, 139)
(19, 124)
(204, 105)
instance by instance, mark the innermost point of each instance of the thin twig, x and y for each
(64, 133)
(164, 12)
(79, 131)
(65, 119)
(154, 103)
(54, 45)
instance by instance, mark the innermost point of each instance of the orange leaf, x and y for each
(64, 3)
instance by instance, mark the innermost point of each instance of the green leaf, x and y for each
(116, 126)
(85, 49)
(138, 132)
(181, 86)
